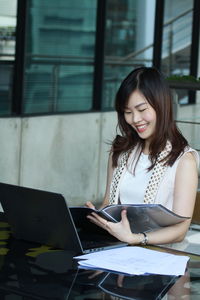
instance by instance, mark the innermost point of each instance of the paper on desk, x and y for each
(135, 261)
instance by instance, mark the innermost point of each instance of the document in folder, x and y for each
(142, 217)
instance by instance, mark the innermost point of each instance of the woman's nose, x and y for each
(136, 117)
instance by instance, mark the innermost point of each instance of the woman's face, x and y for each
(140, 115)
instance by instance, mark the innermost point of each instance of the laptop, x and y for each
(44, 217)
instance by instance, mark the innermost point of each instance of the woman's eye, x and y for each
(141, 110)
(127, 112)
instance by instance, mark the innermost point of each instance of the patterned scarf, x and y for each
(157, 174)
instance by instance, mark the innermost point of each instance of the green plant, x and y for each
(189, 78)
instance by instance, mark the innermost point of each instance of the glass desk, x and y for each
(31, 271)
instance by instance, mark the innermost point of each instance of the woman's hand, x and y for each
(89, 204)
(120, 230)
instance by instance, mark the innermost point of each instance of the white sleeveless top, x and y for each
(165, 190)
(134, 184)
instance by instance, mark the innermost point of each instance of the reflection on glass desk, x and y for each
(31, 271)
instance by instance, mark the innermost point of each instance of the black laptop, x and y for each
(44, 217)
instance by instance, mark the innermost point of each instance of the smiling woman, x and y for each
(151, 162)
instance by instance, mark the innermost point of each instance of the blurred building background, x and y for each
(61, 63)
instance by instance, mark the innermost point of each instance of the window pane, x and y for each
(129, 41)
(177, 39)
(177, 35)
(7, 52)
(59, 60)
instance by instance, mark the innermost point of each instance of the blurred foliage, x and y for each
(188, 78)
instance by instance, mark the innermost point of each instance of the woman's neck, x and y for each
(146, 148)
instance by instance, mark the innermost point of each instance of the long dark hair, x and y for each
(151, 83)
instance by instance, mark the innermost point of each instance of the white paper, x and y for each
(135, 261)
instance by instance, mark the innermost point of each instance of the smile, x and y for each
(141, 128)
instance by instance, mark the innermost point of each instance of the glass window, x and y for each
(176, 56)
(177, 37)
(59, 56)
(128, 42)
(7, 52)
(177, 40)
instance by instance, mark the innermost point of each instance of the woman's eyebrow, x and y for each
(138, 105)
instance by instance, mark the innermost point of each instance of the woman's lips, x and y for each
(141, 128)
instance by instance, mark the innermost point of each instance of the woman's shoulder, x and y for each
(188, 158)
(190, 155)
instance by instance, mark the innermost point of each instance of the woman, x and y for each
(151, 161)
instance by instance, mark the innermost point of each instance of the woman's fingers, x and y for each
(124, 218)
(94, 218)
(89, 204)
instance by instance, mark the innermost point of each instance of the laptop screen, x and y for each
(39, 216)
(44, 217)
(91, 235)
